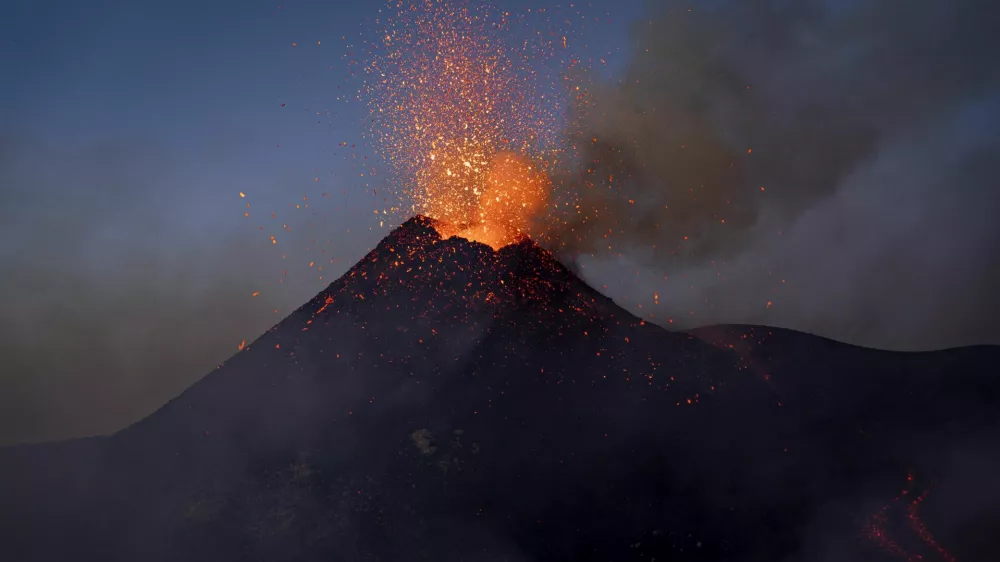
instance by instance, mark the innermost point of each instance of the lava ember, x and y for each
(454, 112)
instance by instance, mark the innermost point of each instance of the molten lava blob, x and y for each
(514, 193)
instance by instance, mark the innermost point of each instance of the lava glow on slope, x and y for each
(453, 110)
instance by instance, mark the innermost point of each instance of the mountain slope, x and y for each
(442, 401)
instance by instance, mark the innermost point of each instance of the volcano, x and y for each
(444, 401)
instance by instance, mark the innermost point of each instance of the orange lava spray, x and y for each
(453, 110)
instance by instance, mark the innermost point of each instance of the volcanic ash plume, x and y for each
(734, 118)
(845, 148)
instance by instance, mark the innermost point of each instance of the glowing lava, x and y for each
(876, 528)
(515, 192)
(454, 111)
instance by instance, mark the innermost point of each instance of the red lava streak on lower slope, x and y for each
(905, 506)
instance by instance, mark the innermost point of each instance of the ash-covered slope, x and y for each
(442, 401)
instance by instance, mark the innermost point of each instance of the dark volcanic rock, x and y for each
(445, 402)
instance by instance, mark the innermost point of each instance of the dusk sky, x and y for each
(129, 130)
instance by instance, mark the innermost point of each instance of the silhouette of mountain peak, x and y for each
(415, 259)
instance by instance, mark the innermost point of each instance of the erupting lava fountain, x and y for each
(458, 116)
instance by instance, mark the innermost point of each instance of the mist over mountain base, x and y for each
(444, 401)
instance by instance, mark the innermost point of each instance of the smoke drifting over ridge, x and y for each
(832, 159)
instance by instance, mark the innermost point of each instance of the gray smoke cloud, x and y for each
(818, 166)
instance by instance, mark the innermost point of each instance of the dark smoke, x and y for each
(863, 123)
